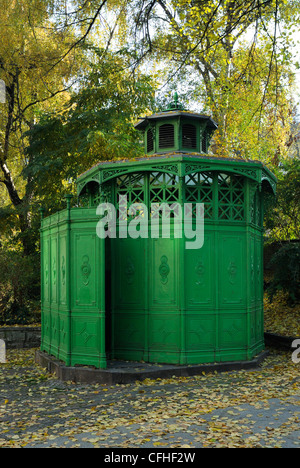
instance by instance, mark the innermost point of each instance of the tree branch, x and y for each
(83, 38)
(10, 114)
(273, 54)
(39, 101)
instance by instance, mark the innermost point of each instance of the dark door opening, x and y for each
(108, 315)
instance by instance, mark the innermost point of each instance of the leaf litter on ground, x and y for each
(211, 410)
(281, 318)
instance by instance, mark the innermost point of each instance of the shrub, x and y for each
(19, 288)
(285, 264)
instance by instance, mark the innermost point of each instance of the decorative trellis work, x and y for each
(222, 194)
(164, 188)
(199, 189)
(147, 189)
(96, 198)
(231, 197)
(225, 191)
(130, 189)
(255, 206)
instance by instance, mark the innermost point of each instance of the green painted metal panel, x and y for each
(232, 269)
(88, 291)
(73, 291)
(199, 278)
(163, 274)
(201, 332)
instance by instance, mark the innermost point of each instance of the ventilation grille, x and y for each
(150, 141)
(189, 136)
(204, 142)
(166, 136)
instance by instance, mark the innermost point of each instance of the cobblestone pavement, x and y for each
(258, 408)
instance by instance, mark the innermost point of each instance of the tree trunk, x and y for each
(21, 205)
(22, 209)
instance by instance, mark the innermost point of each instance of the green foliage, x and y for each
(19, 288)
(283, 221)
(285, 264)
(242, 70)
(97, 124)
(36, 81)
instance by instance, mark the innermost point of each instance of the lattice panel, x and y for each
(130, 188)
(255, 209)
(84, 201)
(231, 197)
(223, 195)
(96, 199)
(101, 195)
(164, 188)
(199, 189)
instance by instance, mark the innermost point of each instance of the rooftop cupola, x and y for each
(176, 130)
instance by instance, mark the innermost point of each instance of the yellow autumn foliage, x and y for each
(280, 318)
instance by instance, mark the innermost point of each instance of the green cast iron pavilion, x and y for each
(152, 299)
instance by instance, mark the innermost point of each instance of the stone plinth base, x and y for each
(124, 372)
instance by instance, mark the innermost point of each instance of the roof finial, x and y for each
(174, 105)
(176, 99)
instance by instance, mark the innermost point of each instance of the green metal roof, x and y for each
(105, 170)
(142, 124)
